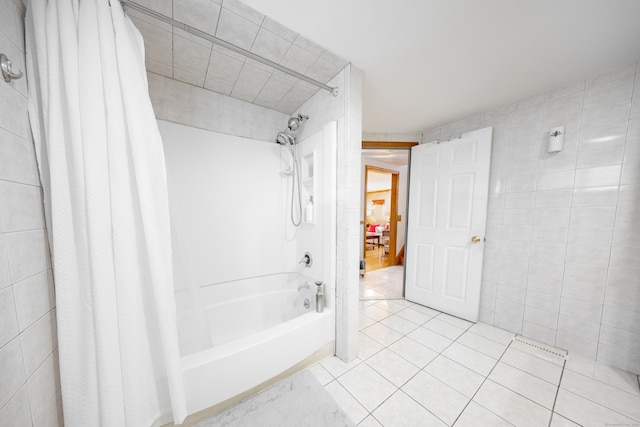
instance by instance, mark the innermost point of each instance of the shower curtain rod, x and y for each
(334, 90)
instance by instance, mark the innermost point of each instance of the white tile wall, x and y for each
(346, 109)
(190, 105)
(561, 259)
(29, 378)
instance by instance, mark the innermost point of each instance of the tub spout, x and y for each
(305, 285)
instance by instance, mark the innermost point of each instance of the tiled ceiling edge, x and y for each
(176, 54)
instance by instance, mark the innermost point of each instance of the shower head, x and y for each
(294, 122)
(284, 138)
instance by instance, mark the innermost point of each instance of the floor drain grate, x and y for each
(554, 351)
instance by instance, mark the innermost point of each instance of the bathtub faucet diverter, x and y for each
(307, 260)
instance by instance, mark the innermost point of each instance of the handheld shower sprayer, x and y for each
(284, 138)
(287, 138)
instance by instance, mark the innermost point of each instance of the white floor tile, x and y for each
(414, 316)
(393, 367)
(511, 406)
(367, 386)
(385, 386)
(443, 328)
(337, 367)
(620, 401)
(483, 345)
(364, 304)
(535, 366)
(540, 391)
(383, 334)
(365, 321)
(475, 415)
(399, 324)
(455, 321)
(455, 375)
(402, 411)
(354, 410)
(586, 412)
(493, 333)
(440, 399)
(367, 346)
(370, 422)
(390, 306)
(472, 359)
(404, 302)
(425, 310)
(322, 375)
(430, 339)
(614, 377)
(376, 313)
(560, 421)
(413, 351)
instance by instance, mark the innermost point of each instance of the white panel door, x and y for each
(449, 186)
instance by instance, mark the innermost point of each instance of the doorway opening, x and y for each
(384, 200)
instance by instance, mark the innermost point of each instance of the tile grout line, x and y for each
(399, 388)
(480, 386)
(405, 335)
(370, 413)
(553, 407)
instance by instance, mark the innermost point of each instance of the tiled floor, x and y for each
(385, 283)
(420, 367)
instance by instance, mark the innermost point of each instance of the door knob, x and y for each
(475, 239)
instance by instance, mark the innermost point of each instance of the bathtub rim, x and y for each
(209, 355)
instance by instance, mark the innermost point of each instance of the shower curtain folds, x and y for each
(103, 174)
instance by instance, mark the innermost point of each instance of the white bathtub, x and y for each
(257, 329)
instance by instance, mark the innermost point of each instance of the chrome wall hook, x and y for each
(7, 72)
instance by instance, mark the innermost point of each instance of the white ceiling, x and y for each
(391, 158)
(378, 181)
(428, 62)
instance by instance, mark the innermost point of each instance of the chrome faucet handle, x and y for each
(307, 259)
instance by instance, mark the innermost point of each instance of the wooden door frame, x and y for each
(393, 216)
(393, 210)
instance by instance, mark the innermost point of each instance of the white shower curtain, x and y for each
(103, 173)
